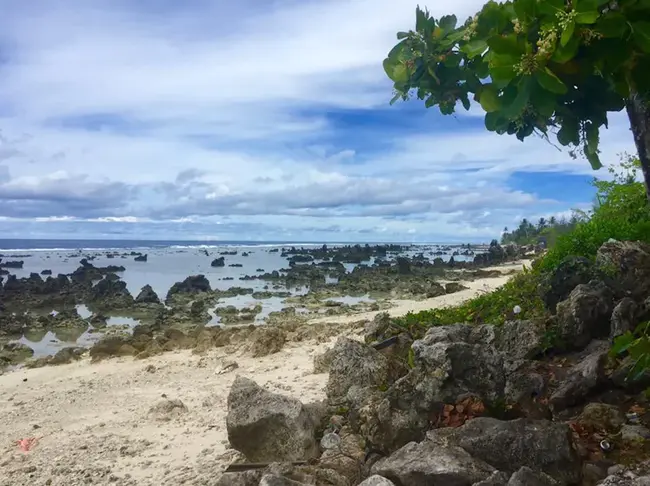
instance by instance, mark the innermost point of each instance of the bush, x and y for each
(490, 308)
(621, 212)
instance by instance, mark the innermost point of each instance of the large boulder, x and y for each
(192, 285)
(583, 377)
(446, 370)
(560, 282)
(624, 317)
(510, 445)
(147, 296)
(110, 293)
(431, 462)
(218, 262)
(376, 480)
(527, 477)
(355, 364)
(268, 427)
(630, 261)
(585, 315)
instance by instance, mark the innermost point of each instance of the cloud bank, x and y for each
(249, 120)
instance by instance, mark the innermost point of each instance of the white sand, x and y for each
(93, 421)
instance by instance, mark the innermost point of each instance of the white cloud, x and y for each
(119, 112)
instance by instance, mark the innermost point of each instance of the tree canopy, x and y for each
(546, 67)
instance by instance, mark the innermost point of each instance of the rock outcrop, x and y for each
(265, 426)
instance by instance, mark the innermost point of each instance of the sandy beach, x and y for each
(98, 423)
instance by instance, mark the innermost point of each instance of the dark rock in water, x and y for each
(13, 324)
(236, 265)
(194, 284)
(583, 378)
(510, 445)
(147, 296)
(585, 315)
(98, 320)
(429, 463)
(218, 262)
(267, 427)
(12, 264)
(141, 258)
(14, 353)
(109, 293)
(355, 364)
(630, 260)
(46, 272)
(560, 282)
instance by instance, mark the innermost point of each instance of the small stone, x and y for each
(635, 432)
(330, 441)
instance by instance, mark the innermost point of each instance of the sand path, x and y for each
(94, 425)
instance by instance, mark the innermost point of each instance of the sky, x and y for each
(251, 120)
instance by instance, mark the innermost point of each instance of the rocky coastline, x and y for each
(42, 303)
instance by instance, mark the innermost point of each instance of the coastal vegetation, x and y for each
(620, 213)
(551, 68)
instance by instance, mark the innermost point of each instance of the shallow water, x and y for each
(168, 265)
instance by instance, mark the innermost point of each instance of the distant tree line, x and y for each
(548, 230)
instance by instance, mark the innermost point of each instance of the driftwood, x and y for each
(247, 466)
(384, 344)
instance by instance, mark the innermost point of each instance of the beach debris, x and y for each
(27, 443)
(227, 367)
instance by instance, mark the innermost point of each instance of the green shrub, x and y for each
(490, 308)
(621, 212)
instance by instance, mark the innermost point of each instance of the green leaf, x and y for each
(567, 34)
(465, 101)
(474, 48)
(622, 343)
(447, 23)
(492, 121)
(516, 107)
(453, 59)
(585, 5)
(505, 45)
(641, 32)
(543, 102)
(549, 81)
(489, 98)
(565, 53)
(594, 160)
(421, 19)
(614, 24)
(396, 70)
(395, 98)
(397, 50)
(402, 35)
(569, 132)
(502, 74)
(525, 9)
(551, 7)
(587, 17)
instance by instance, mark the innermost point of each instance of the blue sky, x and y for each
(250, 120)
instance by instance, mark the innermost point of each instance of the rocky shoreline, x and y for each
(527, 403)
(37, 305)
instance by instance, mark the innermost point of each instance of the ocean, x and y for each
(167, 262)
